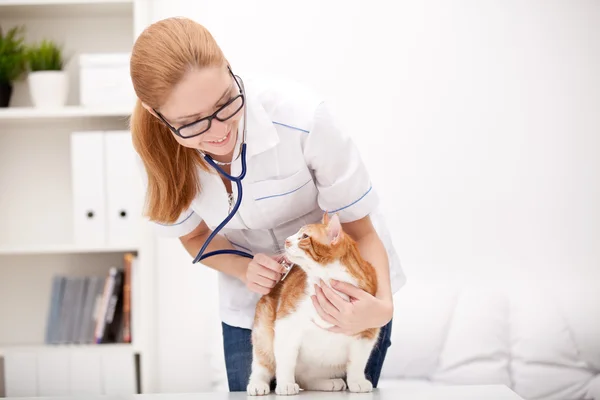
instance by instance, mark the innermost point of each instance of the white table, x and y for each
(491, 392)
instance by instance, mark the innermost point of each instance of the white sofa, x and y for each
(540, 339)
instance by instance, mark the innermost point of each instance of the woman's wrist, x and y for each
(232, 265)
(387, 310)
(241, 268)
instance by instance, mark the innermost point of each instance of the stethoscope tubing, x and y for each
(238, 181)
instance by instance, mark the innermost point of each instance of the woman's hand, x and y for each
(362, 311)
(263, 273)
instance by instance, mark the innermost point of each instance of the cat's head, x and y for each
(319, 244)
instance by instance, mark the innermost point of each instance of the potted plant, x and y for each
(12, 61)
(48, 83)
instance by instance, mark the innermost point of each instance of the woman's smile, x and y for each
(221, 141)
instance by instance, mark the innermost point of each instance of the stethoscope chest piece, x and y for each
(288, 267)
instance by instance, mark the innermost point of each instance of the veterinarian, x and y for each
(192, 102)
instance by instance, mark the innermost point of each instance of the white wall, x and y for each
(477, 119)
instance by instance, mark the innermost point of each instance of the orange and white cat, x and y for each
(291, 342)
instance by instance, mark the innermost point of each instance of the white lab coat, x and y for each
(298, 164)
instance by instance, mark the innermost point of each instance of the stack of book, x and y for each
(91, 309)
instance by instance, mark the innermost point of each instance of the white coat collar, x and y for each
(261, 134)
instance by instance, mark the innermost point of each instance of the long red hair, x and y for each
(160, 57)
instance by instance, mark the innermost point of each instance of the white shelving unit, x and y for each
(65, 249)
(17, 114)
(67, 8)
(36, 207)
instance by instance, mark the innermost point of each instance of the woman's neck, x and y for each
(224, 158)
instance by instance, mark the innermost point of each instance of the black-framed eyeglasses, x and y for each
(226, 111)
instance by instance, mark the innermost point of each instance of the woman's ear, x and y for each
(149, 109)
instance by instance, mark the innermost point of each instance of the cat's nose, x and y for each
(288, 243)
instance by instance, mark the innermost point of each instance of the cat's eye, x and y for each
(304, 236)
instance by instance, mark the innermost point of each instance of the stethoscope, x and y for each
(238, 182)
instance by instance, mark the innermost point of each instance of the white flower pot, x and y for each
(48, 89)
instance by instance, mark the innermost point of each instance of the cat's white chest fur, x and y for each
(318, 345)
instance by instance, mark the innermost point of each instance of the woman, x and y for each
(298, 164)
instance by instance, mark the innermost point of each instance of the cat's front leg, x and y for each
(288, 338)
(360, 350)
(262, 367)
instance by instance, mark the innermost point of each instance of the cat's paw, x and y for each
(287, 389)
(258, 388)
(360, 386)
(326, 385)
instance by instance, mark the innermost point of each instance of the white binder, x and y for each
(118, 373)
(70, 371)
(85, 373)
(53, 373)
(20, 374)
(88, 188)
(122, 189)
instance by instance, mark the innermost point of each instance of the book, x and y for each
(91, 309)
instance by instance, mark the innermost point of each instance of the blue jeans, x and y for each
(238, 356)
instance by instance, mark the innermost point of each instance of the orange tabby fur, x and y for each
(286, 295)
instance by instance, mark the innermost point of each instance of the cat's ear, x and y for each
(325, 219)
(334, 229)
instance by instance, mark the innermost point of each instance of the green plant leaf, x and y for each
(13, 57)
(45, 56)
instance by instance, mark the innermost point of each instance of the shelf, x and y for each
(30, 3)
(68, 112)
(64, 249)
(67, 347)
(64, 8)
